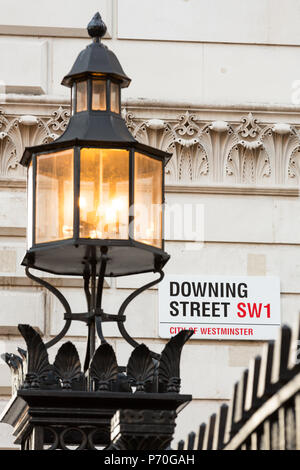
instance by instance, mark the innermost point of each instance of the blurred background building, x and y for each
(215, 83)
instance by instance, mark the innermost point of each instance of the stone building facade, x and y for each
(214, 83)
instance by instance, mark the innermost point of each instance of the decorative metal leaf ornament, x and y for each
(67, 365)
(23, 353)
(140, 368)
(169, 365)
(13, 361)
(104, 367)
(15, 364)
(38, 367)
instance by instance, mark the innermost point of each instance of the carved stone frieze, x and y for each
(18, 132)
(245, 151)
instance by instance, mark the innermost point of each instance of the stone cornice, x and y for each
(238, 189)
(144, 102)
(148, 104)
(20, 184)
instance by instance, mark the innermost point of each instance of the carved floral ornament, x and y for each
(243, 152)
(18, 132)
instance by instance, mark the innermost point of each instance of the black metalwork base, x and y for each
(62, 405)
(142, 429)
(87, 420)
(59, 406)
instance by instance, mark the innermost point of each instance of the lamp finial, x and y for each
(96, 27)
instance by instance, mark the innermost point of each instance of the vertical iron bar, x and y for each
(87, 277)
(163, 202)
(131, 195)
(98, 309)
(37, 438)
(92, 329)
(76, 179)
(34, 179)
(297, 413)
(108, 105)
(94, 300)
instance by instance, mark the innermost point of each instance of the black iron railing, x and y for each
(264, 412)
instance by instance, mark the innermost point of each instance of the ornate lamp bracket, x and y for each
(95, 315)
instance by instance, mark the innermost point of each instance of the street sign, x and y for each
(219, 307)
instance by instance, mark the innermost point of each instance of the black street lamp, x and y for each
(95, 209)
(95, 195)
(95, 189)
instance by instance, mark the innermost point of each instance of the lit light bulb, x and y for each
(67, 230)
(82, 202)
(110, 215)
(118, 204)
(150, 231)
(93, 234)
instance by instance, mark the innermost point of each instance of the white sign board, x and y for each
(234, 308)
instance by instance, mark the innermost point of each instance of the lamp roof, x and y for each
(96, 58)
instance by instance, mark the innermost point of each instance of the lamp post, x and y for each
(95, 209)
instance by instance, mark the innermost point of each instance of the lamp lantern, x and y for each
(95, 189)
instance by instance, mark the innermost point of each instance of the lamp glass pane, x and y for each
(104, 193)
(114, 98)
(99, 95)
(29, 206)
(148, 200)
(54, 197)
(81, 97)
